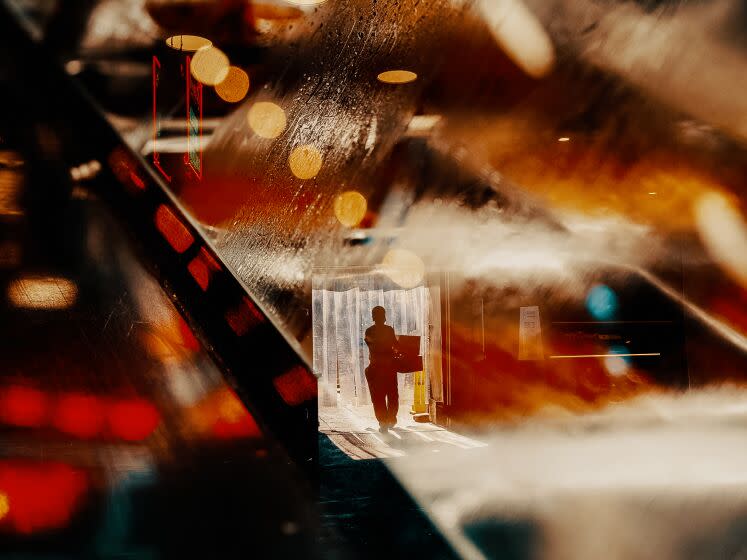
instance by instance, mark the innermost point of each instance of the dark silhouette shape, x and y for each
(381, 372)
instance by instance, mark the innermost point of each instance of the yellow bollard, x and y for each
(419, 402)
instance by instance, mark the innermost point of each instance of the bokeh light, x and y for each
(209, 66)
(188, 43)
(234, 87)
(350, 208)
(4, 505)
(397, 77)
(23, 406)
(403, 267)
(49, 293)
(602, 302)
(305, 161)
(724, 233)
(79, 415)
(133, 419)
(266, 119)
(615, 364)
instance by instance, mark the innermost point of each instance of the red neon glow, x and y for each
(79, 415)
(172, 229)
(23, 406)
(156, 128)
(243, 317)
(133, 420)
(202, 268)
(39, 496)
(296, 386)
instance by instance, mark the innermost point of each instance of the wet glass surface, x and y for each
(565, 181)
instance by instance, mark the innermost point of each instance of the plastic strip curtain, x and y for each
(341, 316)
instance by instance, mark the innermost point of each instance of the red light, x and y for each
(296, 385)
(244, 317)
(39, 496)
(79, 415)
(23, 406)
(172, 229)
(133, 419)
(188, 338)
(202, 268)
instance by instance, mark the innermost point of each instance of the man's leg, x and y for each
(378, 394)
(392, 395)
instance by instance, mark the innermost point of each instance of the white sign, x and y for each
(530, 334)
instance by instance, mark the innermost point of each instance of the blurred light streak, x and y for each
(188, 43)
(397, 77)
(564, 139)
(23, 406)
(80, 415)
(723, 231)
(306, 2)
(403, 267)
(266, 119)
(305, 161)
(604, 355)
(209, 66)
(49, 292)
(40, 496)
(727, 333)
(234, 86)
(350, 208)
(11, 182)
(616, 365)
(520, 34)
(172, 229)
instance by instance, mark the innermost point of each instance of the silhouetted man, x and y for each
(381, 372)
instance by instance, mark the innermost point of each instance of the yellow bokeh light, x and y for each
(305, 161)
(350, 208)
(306, 2)
(234, 87)
(266, 119)
(209, 66)
(4, 505)
(397, 77)
(42, 293)
(188, 43)
(403, 267)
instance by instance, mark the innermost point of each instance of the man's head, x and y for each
(379, 315)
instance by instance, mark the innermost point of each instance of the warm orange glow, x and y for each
(4, 505)
(172, 229)
(563, 139)
(305, 161)
(188, 43)
(266, 119)
(403, 267)
(234, 87)
(49, 292)
(350, 208)
(397, 77)
(209, 66)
